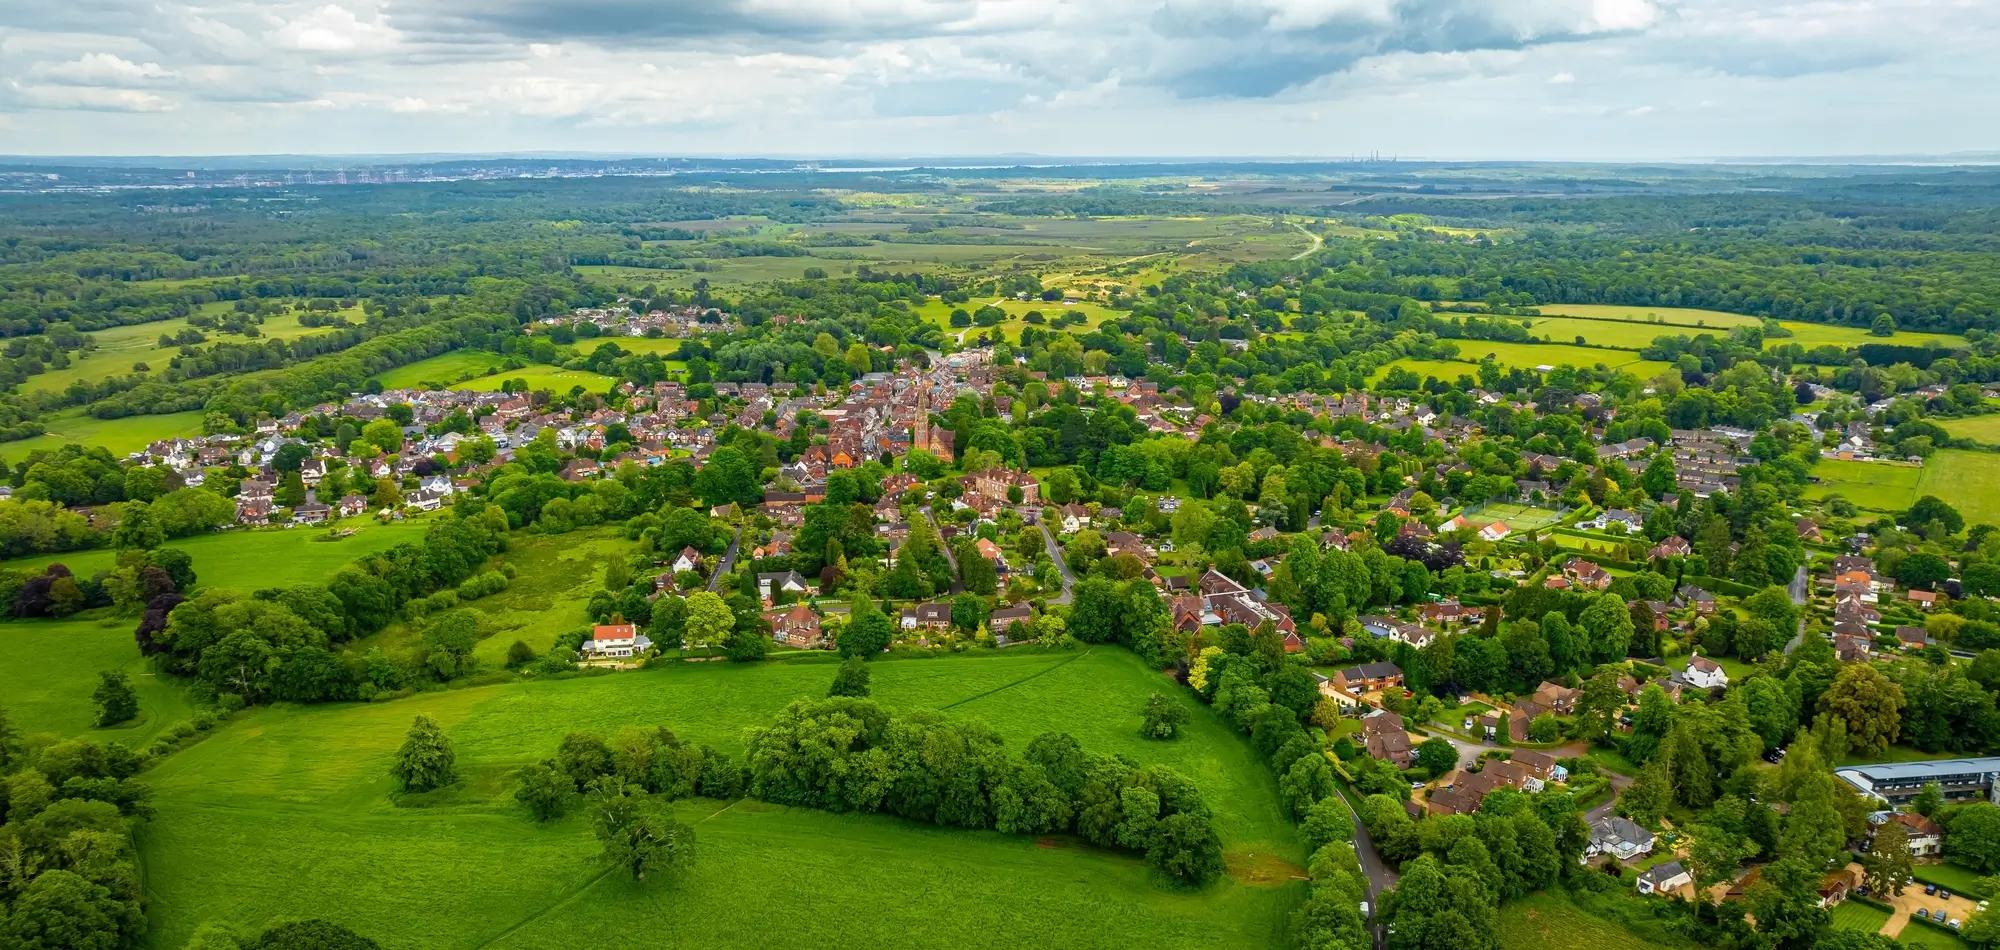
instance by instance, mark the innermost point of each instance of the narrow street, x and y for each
(728, 562)
(1062, 566)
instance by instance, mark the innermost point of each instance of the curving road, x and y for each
(1062, 566)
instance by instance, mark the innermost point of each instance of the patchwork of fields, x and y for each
(122, 436)
(467, 868)
(1637, 327)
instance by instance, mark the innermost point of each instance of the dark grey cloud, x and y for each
(674, 23)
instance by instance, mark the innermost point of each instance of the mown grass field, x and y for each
(1550, 920)
(441, 370)
(1637, 327)
(122, 436)
(286, 813)
(254, 559)
(1517, 517)
(1984, 429)
(1961, 477)
(50, 667)
(1444, 370)
(1854, 915)
(552, 378)
(1531, 355)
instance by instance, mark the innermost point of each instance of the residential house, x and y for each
(614, 641)
(1003, 619)
(1557, 697)
(797, 626)
(770, 584)
(1673, 546)
(1704, 673)
(1621, 838)
(1587, 574)
(1665, 878)
(1386, 738)
(688, 560)
(931, 616)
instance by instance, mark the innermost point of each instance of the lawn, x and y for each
(119, 347)
(51, 666)
(1956, 878)
(939, 312)
(1445, 370)
(1959, 476)
(263, 557)
(469, 869)
(1649, 322)
(122, 436)
(1921, 935)
(1551, 920)
(1518, 517)
(1854, 915)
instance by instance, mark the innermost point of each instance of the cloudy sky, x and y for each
(1583, 79)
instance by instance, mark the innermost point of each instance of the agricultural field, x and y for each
(122, 436)
(1552, 921)
(1984, 429)
(1637, 327)
(467, 868)
(665, 346)
(1959, 476)
(51, 666)
(1444, 370)
(251, 559)
(1531, 355)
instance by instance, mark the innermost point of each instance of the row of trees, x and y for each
(845, 754)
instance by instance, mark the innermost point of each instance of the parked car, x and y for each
(1952, 923)
(1944, 894)
(1930, 890)
(1925, 914)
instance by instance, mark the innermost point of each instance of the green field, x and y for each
(442, 370)
(1854, 915)
(122, 436)
(119, 347)
(1531, 355)
(1445, 370)
(50, 667)
(939, 312)
(664, 346)
(1984, 429)
(1960, 477)
(1551, 920)
(552, 378)
(1517, 517)
(1930, 938)
(554, 576)
(1637, 327)
(286, 813)
(252, 559)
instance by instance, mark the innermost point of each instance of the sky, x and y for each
(1449, 79)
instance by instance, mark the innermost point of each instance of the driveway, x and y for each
(1913, 899)
(1062, 566)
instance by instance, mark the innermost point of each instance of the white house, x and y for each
(1619, 837)
(1704, 673)
(614, 641)
(1664, 877)
(688, 560)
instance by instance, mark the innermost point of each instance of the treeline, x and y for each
(849, 754)
(66, 815)
(282, 644)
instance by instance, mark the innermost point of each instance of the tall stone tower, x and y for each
(923, 434)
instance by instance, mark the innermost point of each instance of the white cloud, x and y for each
(1562, 79)
(90, 98)
(335, 29)
(100, 69)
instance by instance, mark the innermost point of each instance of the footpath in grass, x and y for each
(50, 668)
(467, 868)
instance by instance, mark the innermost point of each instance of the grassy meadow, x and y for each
(939, 312)
(51, 666)
(442, 370)
(251, 559)
(1984, 429)
(554, 576)
(467, 868)
(1961, 477)
(1551, 920)
(119, 347)
(1636, 327)
(552, 378)
(122, 436)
